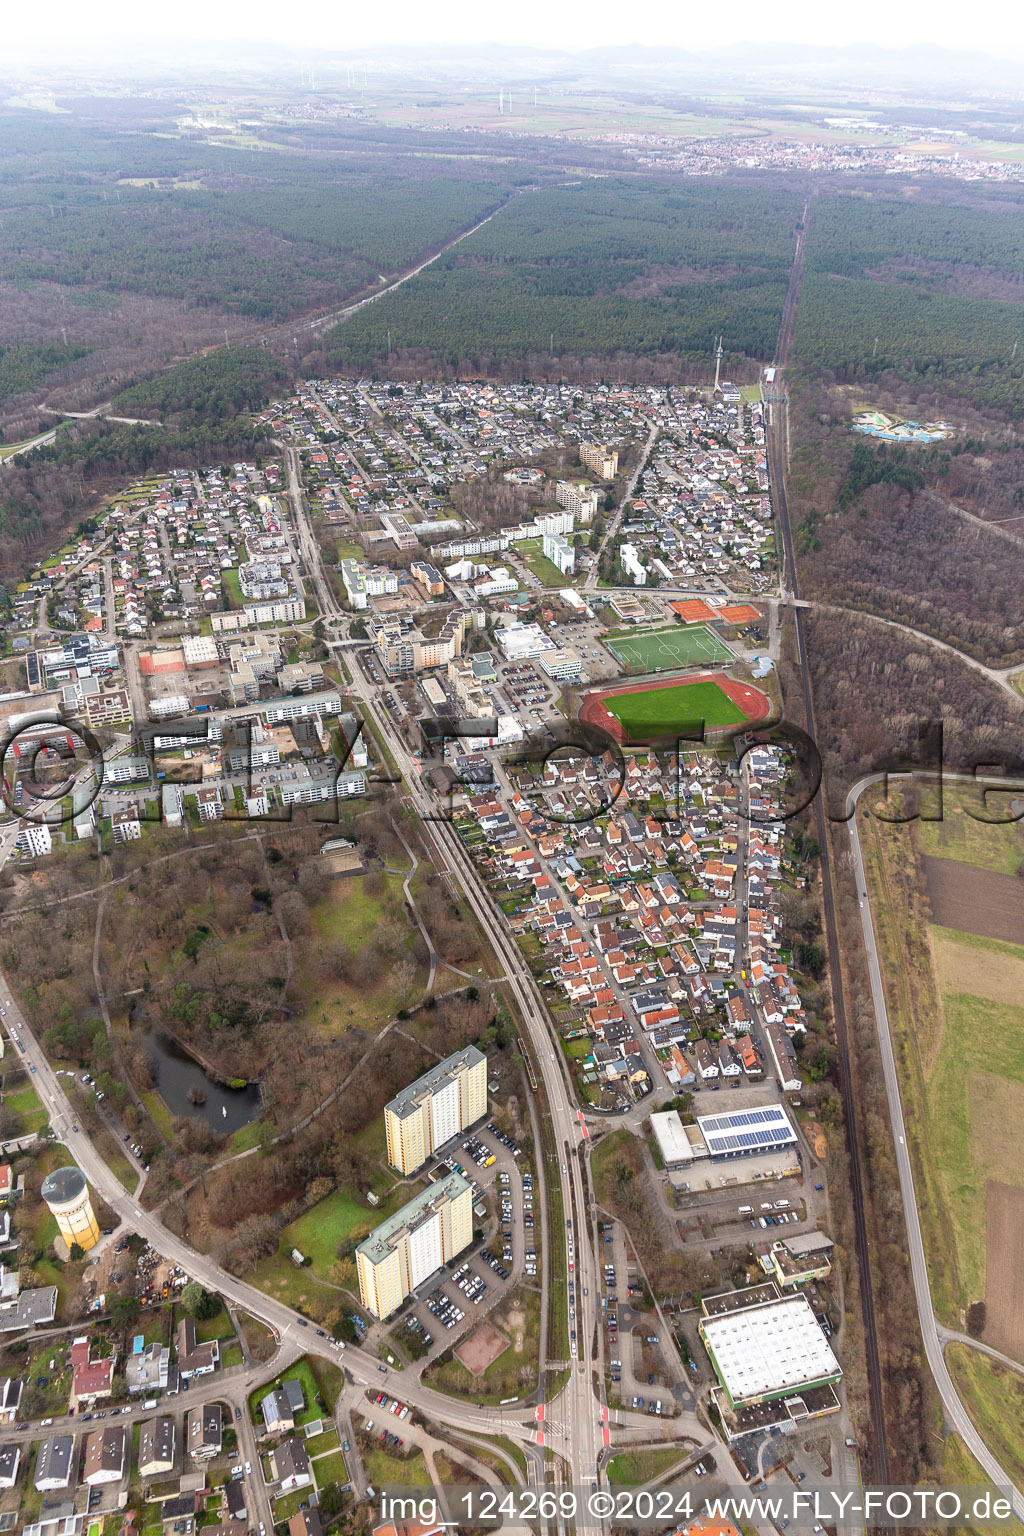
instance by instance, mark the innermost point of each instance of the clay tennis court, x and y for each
(752, 705)
(694, 610)
(482, 1348)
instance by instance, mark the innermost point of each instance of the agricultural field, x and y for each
(956, 1006)
(666, 650)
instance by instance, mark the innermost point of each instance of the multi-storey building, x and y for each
(414, 1243)
(436, 1107)
(410, 651)
(603, 461)
(578, 498)
(559, 552)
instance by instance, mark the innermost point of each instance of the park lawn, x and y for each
(159, 1113)
(634, 1468)
(350, 915)
(330, 1469)
(246, 1137)
(336, 1219)
(994, 1397)
(660, 710)
(383, 1469)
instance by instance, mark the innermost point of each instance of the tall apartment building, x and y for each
(412, 1244)
(560, 553)
(580, 499)
(437, 1106)
(602, 460)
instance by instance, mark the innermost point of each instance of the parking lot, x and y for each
(450, 1303)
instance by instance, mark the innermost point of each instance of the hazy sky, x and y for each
(573, 25)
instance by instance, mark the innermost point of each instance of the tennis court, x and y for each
(666, 650)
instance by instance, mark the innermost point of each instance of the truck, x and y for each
(745, 1210)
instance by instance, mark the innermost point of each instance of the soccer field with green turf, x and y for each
(658, 711)
(669, 649)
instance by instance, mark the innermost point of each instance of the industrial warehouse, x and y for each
(771, 1357)
(744, 1137)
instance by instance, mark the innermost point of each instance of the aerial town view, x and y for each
(511, 773)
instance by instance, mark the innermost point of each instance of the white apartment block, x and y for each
(436, 1107)
(280, 711)
(560, 553)
(580, 499)
(34, 840)
(633, 566)
(414, 1243)
(313, 791)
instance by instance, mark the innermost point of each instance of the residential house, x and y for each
(305, 1522)
(10, 1461)
(290, 1465)
(204, 1431)
(707, 1061)
(280, 1407)
(105, 1453)
(11, 1388)
(194, 1359)
(56, 1463)
(92, 1379)
(157, 1447)
(148, 1370)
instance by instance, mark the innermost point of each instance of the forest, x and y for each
(900, 530)
(141, 247)
(23, 367)
(209, 389)
(927, 296)
(596, 269)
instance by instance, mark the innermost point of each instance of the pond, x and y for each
(175, 1072)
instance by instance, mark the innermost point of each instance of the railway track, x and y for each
(776, 442)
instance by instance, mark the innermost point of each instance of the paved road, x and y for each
(955, 1412)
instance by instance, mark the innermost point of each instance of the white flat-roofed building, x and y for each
(279, 711)
(521, 642)
(633, 566)
(562, 666)
(578, 498)
(774, 1348)
(34, 840)
(673, 1142)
